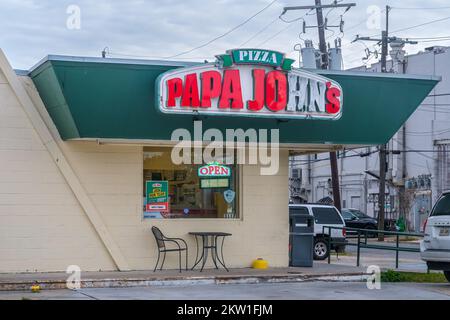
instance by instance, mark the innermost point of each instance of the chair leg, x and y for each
(164, 260)
(157, 261)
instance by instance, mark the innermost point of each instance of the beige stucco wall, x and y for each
(112, 176)
(44, 228)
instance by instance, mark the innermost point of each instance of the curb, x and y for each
(153, 282)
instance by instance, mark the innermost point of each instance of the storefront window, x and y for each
(171, 191)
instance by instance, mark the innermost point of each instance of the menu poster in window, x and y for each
(214, 183)
(157, 193)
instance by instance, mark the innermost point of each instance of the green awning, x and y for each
(95, 98)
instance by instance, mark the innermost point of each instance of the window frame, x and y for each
(338, 215)
(444, 197)
(238, 200)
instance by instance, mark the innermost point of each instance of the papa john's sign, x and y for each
(249, 82)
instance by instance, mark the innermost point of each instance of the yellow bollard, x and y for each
(260, 263)
(35, 288)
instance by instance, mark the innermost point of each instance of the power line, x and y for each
(425, 39)
(442, 106)
(433, 111)
(427, 132)
(121, 54)
(428, 38)
(259, 32)
(411, 133)
(431, 107)
(406, 148)
(284, 29)
(326, 159)
(361, 22)
(224, 34)
(420, 8)
(275, 35)
(417, 26)
(293, 20)
(438, 95)
(427, 151)
(421, 25)
(436, 40)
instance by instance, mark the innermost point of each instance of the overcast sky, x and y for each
(32, 29)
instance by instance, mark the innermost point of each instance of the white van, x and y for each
(324, 215)
(435, 246)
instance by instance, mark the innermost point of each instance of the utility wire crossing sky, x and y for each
(196, 30)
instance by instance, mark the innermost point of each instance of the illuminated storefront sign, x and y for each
(250, 82)
(214, 170)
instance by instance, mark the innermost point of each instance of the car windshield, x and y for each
(347, 215)
(442, 207)
(359, 214)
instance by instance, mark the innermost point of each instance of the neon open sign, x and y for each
(250, 82)
(214, 170)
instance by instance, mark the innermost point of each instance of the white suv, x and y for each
(324, 215)
(435, 247)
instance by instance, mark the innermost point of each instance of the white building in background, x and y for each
(422, 166)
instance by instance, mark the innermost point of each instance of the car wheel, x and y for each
(371, 234)
(447, 275)
(321, 251)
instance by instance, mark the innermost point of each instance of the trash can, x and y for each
(301, 240)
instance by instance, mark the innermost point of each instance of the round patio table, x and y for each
(210, 242)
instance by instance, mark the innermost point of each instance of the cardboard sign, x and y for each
(157, 193)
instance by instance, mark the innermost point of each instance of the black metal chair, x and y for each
(161, 243)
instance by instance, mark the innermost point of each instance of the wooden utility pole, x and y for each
(324, 64)
(321, 25)
(383, 167)
(382, 192)
(384, 41)
(322, 41)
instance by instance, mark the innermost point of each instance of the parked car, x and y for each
(324, 215)
(435, 246)
(356, 219)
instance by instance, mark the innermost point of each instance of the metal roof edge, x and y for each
(38, 64)
(169, 143)
(113, 61)
(187, 64)
(377, 74)
(20, 72)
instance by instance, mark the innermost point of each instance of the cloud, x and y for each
(32, 29)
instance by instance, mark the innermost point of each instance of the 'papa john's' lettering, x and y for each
(261, 91)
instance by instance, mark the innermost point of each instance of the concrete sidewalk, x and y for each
(114, 279)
